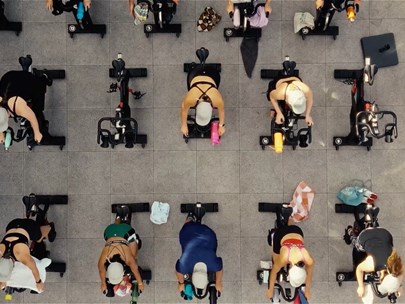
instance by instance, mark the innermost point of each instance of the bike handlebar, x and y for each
(375, 115)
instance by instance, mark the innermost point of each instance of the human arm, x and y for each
(133, 265)
(23, 255)
(101, 270)
(274, 102)
(218, 280)
(185, 106)
(180, 281)
(22, 109)
(131, 7)
(176, 1)
(49, 4)
(309, 266)
(366, 266)
(219, 104)
(277, 265)
(1, 137)
(87, 4)
(267, 7)
(319, 4)
(310, 100)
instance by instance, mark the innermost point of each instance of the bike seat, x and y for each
(202, 54)
(25, 62)
(289, 67)
(30, 203)
(199, 212)
(118, 65)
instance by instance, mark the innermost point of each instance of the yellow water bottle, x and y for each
(350, 13)
(278, 142)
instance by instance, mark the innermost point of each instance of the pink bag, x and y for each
(259, 19)
(214, 133)
(302, 202)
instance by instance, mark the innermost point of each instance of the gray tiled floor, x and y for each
(237, 174)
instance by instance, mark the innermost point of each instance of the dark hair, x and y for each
(5, 97)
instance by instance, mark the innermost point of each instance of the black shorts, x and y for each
(282, 232)
(29, 225)
(198, 71)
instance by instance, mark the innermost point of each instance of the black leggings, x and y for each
(27, 86)
(29, 225)
(198, 71)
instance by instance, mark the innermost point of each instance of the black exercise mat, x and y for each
(381, 49)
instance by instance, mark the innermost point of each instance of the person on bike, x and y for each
(199, 246)
(119, 255)
(289, 249)
(297, 95)
(15, 247)
(132, 6)
(22, 94)
(230, 6)
(203, 94)
(373, 250)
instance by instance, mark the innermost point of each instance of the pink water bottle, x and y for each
(214, 133)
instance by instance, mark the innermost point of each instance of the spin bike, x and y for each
(198, 211)
(194, 130)
(287, 133)
(25, 130)
(364, 115)
(36, 207)
(283, 213)
(124, 211)
(84, 24)
(247, 9)
(6, 25)
(163, 12)
(126, 127)
(324, 17)
(365, 216)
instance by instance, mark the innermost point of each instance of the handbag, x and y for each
(208, 19)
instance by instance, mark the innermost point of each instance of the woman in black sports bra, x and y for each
(297, 95)
(15, 247)
(22, 94)
(203, 95)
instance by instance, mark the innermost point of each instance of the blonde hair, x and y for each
(394, 264)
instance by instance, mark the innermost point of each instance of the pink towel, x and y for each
(302, 202)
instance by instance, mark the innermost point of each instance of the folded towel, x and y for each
(159, 213)
(302, 202)
(302, 20)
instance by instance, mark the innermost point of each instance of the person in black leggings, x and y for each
(22, 94)
(203, 94)
(15, 247)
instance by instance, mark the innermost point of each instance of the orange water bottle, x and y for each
(350, 13)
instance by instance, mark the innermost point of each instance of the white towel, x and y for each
(302, 20)
(22, 277)
(159, 213)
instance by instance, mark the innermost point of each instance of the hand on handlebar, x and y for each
(267, 9)
(308, 120)
(141, 287)
(131, 8)
(269, 293)
(103, 287)
(319, 4)
(38, 137)
(40, 287)
(184, 130)
(218, 287)
(180, 287)
(279, 119)
(360, 291)
(2, 137)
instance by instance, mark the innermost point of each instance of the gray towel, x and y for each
(250, 50)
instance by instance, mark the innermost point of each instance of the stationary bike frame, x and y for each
(288, 130)
(199, 210)
(160, 9)
(283, 213)
(364, 218)
(363, 116)
(126, 126)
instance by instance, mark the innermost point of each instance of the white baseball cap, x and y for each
(3, 120)
(115, 272)
(203, 113)
(200, 276)
(297, 101)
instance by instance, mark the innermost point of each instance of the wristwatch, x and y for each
(39, 281)
(222, 125)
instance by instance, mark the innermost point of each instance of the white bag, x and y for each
(159, 213)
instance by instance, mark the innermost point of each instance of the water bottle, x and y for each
(215, 133)
(80, 11)
(278, 142)
(7, 139)
(350, 11)
(9, 293)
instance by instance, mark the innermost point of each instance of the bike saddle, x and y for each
(286, 212)
(123, 212)
(30, 203)
(289, 67)
(25, 62)
(199, 212)
(202, 54)
(118, 65)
